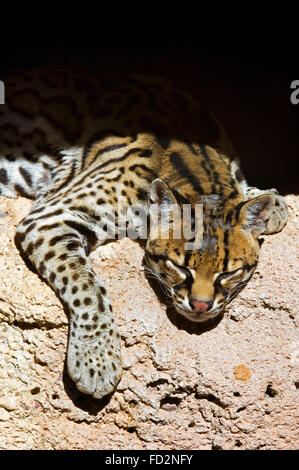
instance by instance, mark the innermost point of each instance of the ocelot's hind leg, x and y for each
(21, 177)
(279, 216)
(55, 242)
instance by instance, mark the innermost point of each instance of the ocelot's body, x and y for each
(76, 144)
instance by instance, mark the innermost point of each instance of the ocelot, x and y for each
(77, 144)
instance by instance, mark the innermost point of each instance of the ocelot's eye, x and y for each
(178, 267)
(231, 273)
(176, 273)
(232, 276)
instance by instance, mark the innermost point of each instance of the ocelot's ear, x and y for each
(163, 208)
(255, 214)
(161, 194)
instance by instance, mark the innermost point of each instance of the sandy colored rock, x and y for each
(230, 385)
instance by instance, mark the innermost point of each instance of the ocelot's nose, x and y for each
(200, 306)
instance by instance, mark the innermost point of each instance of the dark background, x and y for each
(244, 80)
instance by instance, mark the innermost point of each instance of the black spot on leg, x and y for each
(59, 238)
(30, 248)
(39, 242)
(42, 268)
(28, 220)
(47, 227)
(72, 246)
(31, 227)
(101, 304)
(49, 255)
(84, 231)
(3, 176)
(26, 175)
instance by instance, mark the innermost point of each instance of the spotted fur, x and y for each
(74, 144)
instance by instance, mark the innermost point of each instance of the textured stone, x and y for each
(232, 384)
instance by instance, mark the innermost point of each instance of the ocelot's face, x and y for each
(201, 283)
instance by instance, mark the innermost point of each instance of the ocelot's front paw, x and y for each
(279, 216)
(95, 363)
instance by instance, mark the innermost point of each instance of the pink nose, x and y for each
(199, 306)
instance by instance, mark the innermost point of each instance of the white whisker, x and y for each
(155, 275)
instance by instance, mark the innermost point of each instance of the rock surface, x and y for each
(230, 385)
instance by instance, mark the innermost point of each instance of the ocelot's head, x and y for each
(203, 277)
